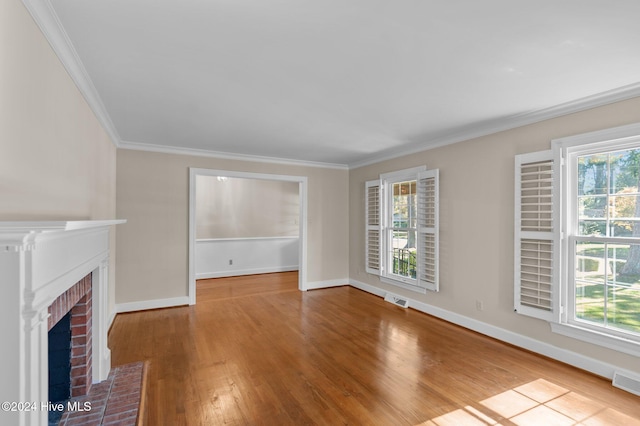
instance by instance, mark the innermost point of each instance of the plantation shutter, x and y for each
(428, 222)
(535, 243)
(373, 241)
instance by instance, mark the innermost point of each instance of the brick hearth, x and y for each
(117, 401)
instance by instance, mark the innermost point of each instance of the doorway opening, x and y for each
(221, 175)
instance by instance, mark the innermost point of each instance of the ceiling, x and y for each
(341, 82)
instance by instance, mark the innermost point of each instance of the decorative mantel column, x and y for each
(38, 262)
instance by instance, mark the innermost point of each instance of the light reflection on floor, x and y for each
(536, 403)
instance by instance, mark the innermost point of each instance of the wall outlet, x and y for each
(230, 261)
(479, 305)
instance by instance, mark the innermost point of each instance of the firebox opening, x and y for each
(60, 360)
(59, 364)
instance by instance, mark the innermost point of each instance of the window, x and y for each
(402, 228)
(578, 237)
(605, 240)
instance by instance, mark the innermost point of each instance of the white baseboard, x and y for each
(144, 305)
(368, 288)
(327, 284)
(239, 272)
(572, 358)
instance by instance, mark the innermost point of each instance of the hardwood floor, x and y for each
(256, 351)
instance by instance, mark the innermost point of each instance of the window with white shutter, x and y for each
(428, 220)
(373, 214)
(401, 244)
(577, 237)
(535, 241)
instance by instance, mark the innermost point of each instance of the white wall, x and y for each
(245, 226)
(226, 257)
(245, 208)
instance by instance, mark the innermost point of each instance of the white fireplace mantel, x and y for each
(38, 262)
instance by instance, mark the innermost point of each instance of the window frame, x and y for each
(566, 152)
(561, 316)
(389, 228)
(382, 226)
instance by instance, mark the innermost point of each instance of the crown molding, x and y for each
(47, 20)
(469, 132)
(164, 149)
(494, 126)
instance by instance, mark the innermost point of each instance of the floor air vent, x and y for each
(397, 300)
(626, 382)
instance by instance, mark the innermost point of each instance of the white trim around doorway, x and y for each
(302, 184)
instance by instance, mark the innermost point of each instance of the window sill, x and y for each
(404, 285)
(597, 338)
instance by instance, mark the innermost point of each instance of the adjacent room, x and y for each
(245, 226)
(285, 213)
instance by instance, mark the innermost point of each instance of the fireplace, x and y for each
(70, 331)
(44, 265)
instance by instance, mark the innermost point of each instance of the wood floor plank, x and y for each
(256, 351)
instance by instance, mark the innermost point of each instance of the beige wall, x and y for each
(153, 195)
(243, 208)
(56, 161)
(477, 221)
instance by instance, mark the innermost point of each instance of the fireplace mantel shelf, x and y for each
(21, 234)
(59, 225)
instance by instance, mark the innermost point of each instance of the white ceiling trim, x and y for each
(485, 129)
(45, 17)
(225, 155)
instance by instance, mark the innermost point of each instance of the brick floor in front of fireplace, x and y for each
(114, 402)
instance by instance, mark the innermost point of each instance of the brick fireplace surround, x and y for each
(115, 401)
(77, 300)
